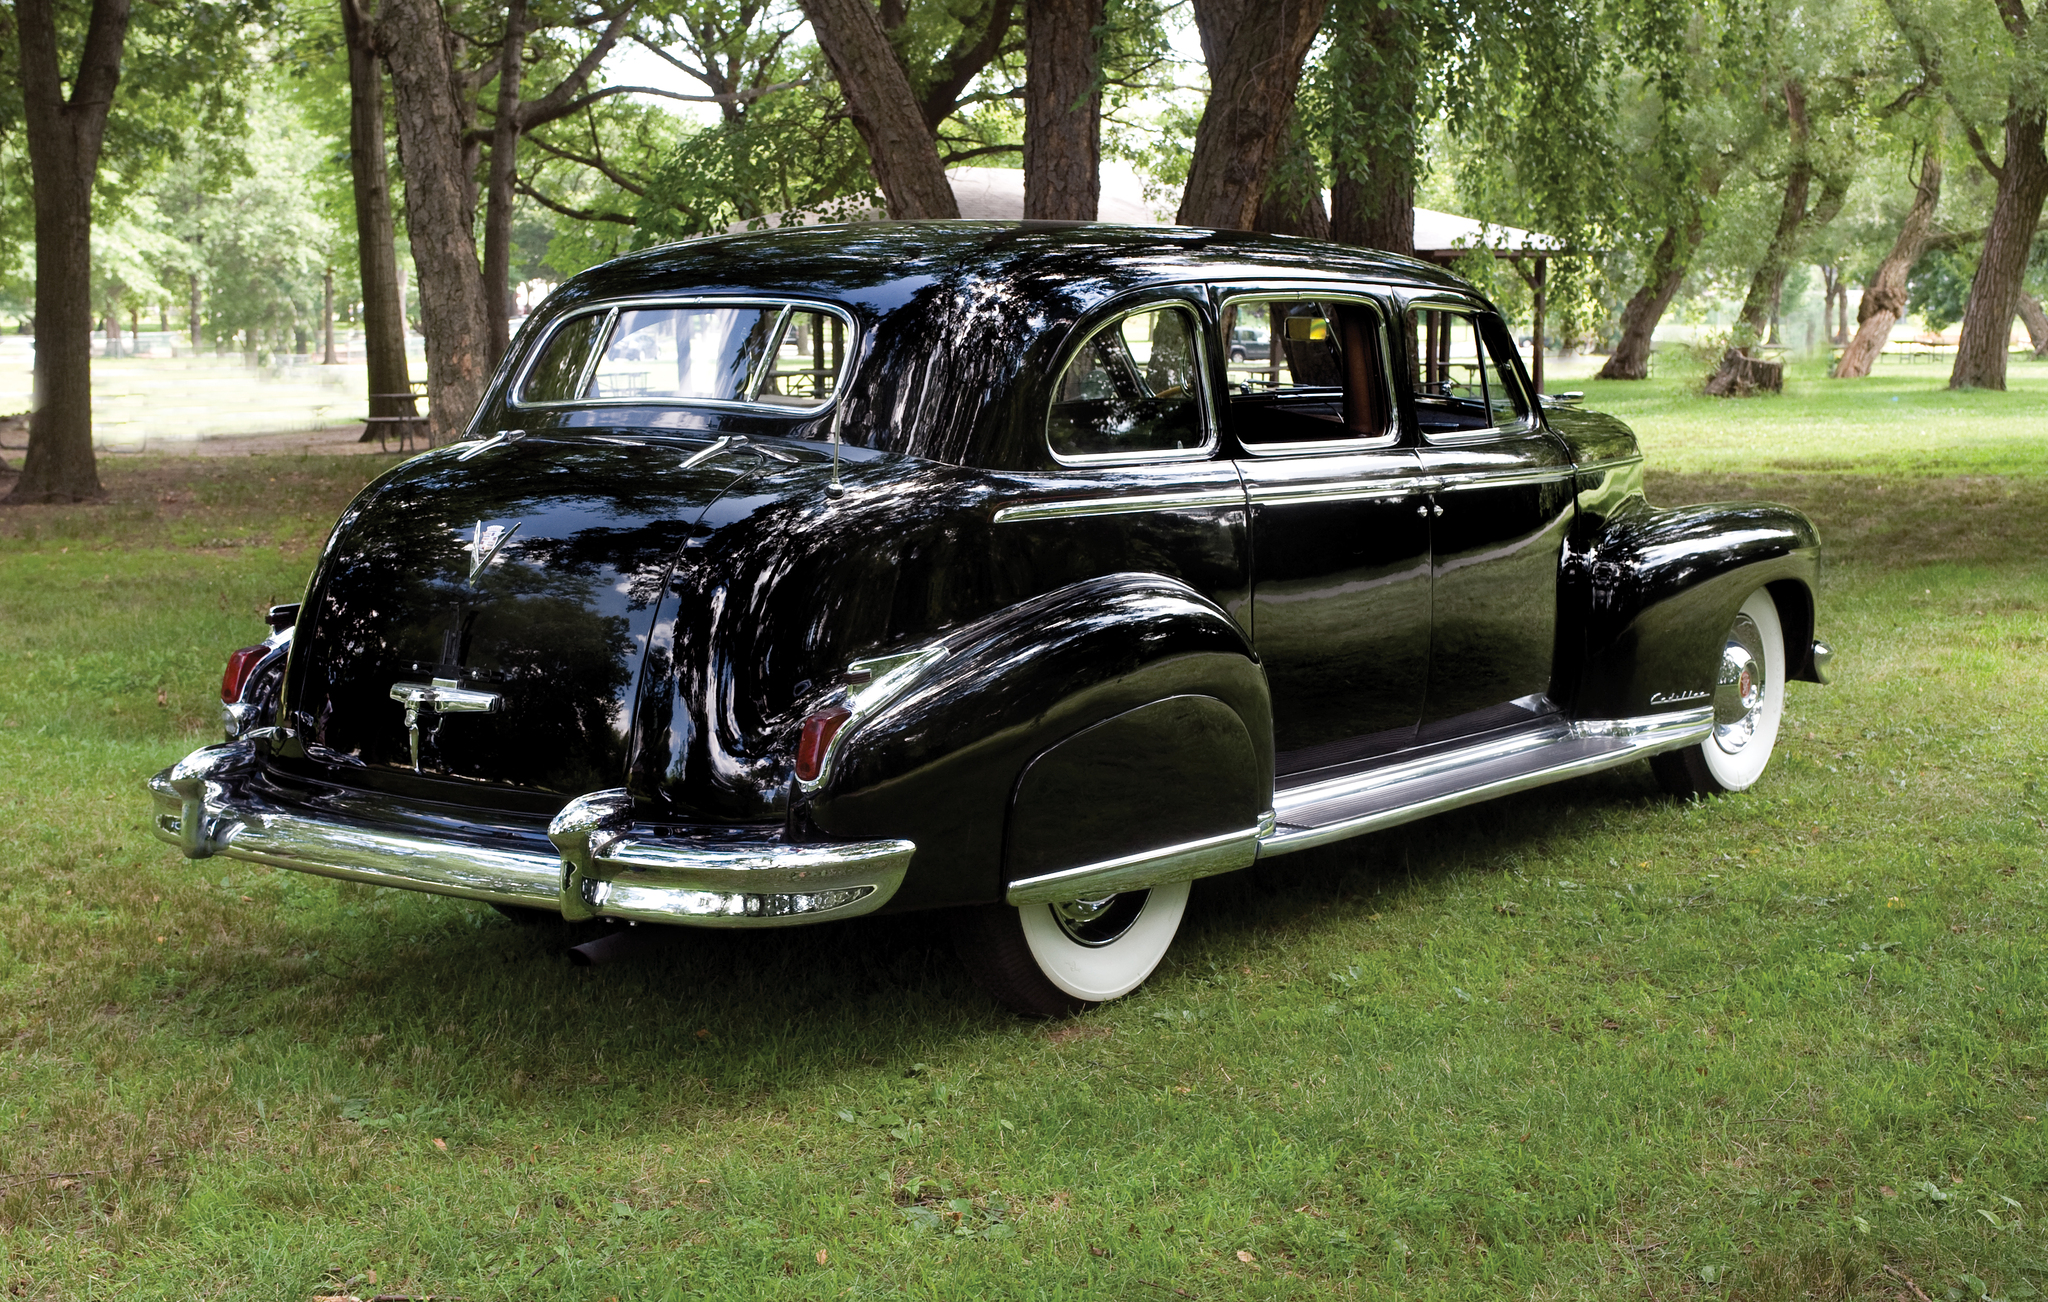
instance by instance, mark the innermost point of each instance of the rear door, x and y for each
(1340, 541)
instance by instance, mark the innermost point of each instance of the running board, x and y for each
(1322, 812)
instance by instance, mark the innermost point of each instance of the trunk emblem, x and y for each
(484, 545)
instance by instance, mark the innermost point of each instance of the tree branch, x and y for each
(595, 163)
(736, 97)
(1977, 145)
(579, 214)
(554, 104)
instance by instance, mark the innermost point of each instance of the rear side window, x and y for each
(1306, 371)
(773, 354)
(1133, 390)
(1460, 380)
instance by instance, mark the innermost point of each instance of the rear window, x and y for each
(773, 354)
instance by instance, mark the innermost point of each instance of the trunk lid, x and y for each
(511, 592)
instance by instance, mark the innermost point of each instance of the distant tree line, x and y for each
(255, 167)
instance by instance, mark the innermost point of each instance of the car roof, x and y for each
(865, 261)
(962, 318)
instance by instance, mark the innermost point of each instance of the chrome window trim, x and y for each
(1530, 422)
(1207, 399)
(1369, 443)
(514, 394)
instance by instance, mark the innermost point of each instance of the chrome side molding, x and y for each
(1174, 863)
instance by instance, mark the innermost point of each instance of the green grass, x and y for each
(1581, 1042)
(1901, 420)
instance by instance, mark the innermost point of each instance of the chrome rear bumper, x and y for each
(602, 865)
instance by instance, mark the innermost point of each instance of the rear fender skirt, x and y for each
(1657, 590)
(941, 764)
(1166, 792)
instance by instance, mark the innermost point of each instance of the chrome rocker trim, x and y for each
(1322, 812)
(605, 865)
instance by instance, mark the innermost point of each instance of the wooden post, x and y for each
(1536, 350)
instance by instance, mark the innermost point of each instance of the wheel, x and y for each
(1749, 703)
(1237, 354)
(1049, 960)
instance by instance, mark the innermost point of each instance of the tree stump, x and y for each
(1740, 375)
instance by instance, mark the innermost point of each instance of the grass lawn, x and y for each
(1582, 1042)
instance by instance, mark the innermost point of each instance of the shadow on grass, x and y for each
(447, 998)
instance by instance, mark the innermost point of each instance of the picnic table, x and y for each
(381, 427)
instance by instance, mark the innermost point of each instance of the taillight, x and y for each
(240, 665)
(819, 730)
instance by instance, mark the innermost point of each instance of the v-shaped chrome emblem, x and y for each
(484, 545)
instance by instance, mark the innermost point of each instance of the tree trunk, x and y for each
(1884, 298)
(1372, 191)
(64, 137)
(453, 314)
(327, 357)
(1739, 376)
(1796, 223)
(1995, 290)
(192, 307)
(1062, 110)
(1293, 203)
(505, 128)
(1630, 359)
(2036, 318)
(1254, 50)
(901, 147)
(376, 239)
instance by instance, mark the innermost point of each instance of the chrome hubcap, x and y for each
(1100, 921)
(1739, 689)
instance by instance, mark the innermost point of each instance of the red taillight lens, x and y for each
(240, 664)
(819, 730)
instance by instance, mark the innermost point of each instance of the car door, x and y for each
(1499, 512)
(1340, 544)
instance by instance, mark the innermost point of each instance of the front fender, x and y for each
(940, 763)
(1658, 589)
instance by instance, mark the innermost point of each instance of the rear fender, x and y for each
(941, 763)
(1659, 589)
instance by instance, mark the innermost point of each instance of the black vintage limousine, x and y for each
(792, 576)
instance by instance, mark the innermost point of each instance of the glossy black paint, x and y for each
(1663, 586)
(671, 606)
(941, 763)
(1164, 774)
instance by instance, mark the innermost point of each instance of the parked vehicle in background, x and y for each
(1250, 344)
(792, 576)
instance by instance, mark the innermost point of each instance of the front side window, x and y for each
(784, 356)
(1460, 381)
(1134, 389)
(1306, 371)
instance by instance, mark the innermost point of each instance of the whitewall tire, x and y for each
(1749, 706)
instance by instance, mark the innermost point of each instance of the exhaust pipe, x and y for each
(619, 943)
